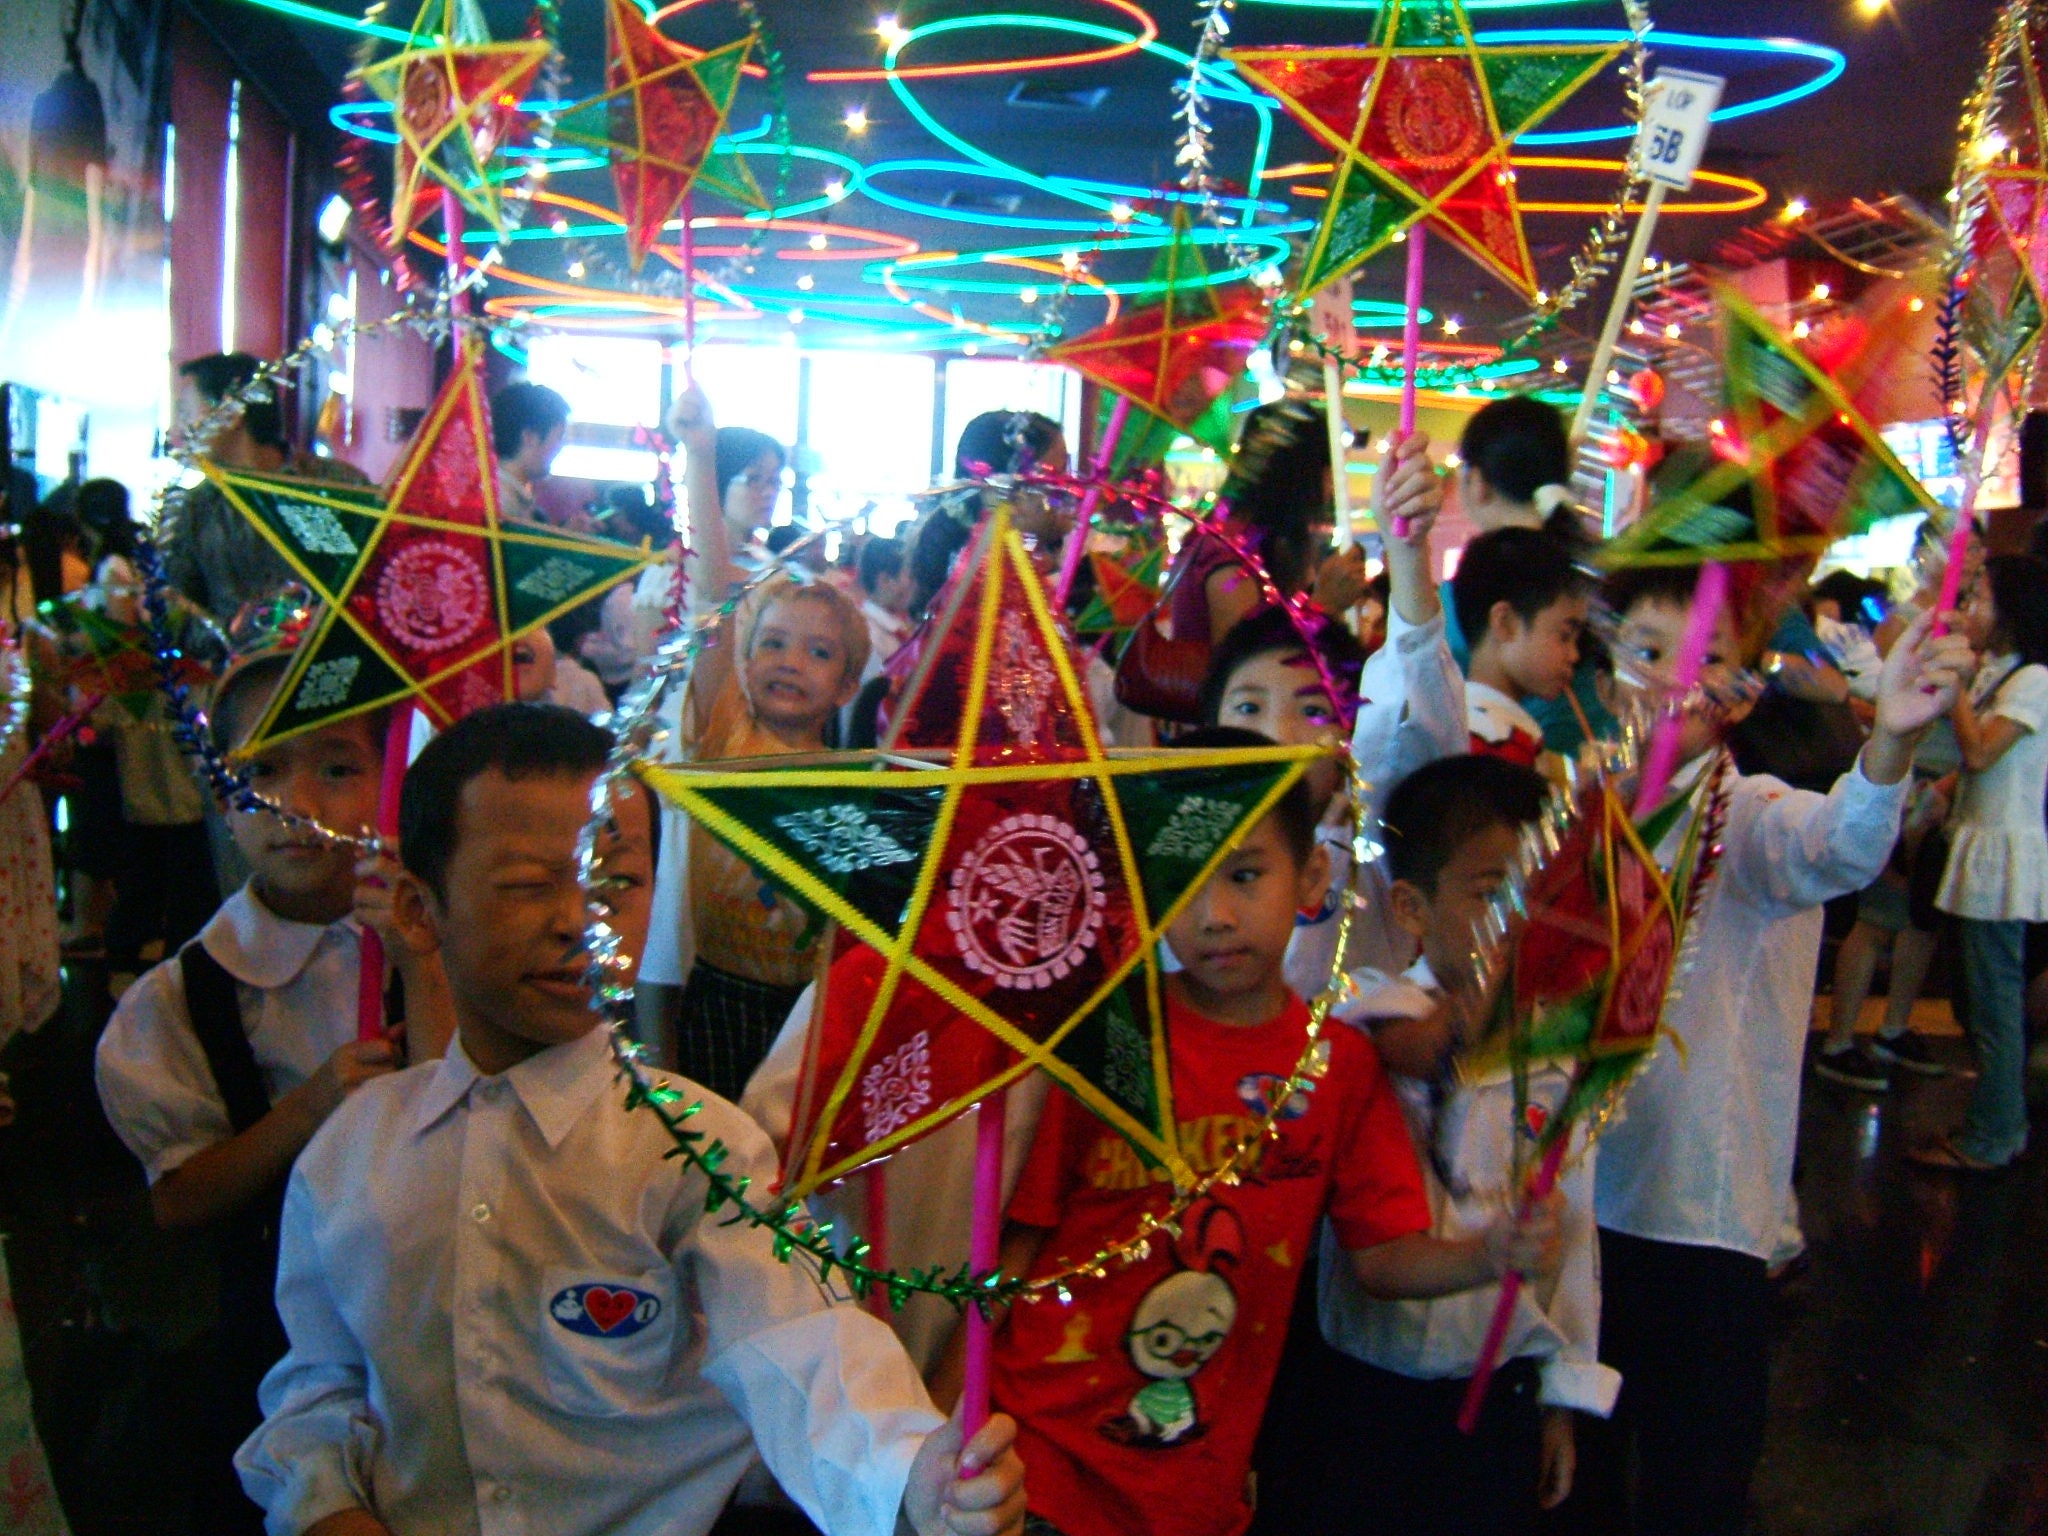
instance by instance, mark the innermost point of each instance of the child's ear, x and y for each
(1314, 887)
(849, 688)
(1411, 905)
(413, 914)
(1502, 622)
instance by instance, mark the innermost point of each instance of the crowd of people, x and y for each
(463, 1289)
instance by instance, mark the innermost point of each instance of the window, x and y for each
(609, 381)
(750, 387)
(974, 385)
(870, 435)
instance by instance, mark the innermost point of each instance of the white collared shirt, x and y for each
(1413, 712)
(510, 1316)
(1556, 1321)
(1702, 1153)
(297, 985)
(1494, 717)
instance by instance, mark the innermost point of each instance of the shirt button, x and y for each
(480, 1211)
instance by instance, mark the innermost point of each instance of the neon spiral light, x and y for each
(1121, 47)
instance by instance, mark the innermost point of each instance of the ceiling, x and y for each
(955, 163)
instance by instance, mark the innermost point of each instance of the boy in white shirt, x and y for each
(1693, 1179)
(1522, 602)
(219, 1065)
(1451, 830)
(508, 1308)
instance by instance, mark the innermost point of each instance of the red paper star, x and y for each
(424, 590)
(1424, 120)
(454, 97)
(664, 107)
(1174, 357)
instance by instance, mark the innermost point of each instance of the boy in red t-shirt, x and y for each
(1139, 1403)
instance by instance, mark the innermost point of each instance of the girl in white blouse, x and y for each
(1997, 875)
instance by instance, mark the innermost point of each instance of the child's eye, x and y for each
(1246, 874)
(1245, 707)
(821, 653)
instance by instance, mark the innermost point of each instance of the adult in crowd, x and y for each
(528, 424)
(750, 467)
(213, 554)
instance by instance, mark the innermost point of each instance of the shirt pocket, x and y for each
(607, 1338)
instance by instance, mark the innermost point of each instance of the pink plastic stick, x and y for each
(984, 1252)
(1708, 599)
(452, 222)
(1077, 541)
(57, 733)
(1411, 342)
(1966, 515)
(689, 294)
(1510, 1292)
(370, 976)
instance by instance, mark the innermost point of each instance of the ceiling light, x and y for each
(891, 31)
(1916, 305)
(807, 282)
(1794, 211)
(796, 317)
(1802, 330)
(972, 349)
(818, 242)
(560, 225)
(856, 119)
(1821, 293)
(1453, 325)
(1870, 10)
(1027, 295)
(1120, 212)
(333, 220)
(1673, 331)
(835, 189)
(1560, 366)
(576, 270)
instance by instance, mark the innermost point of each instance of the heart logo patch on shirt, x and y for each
(1536, 1117)
(604, 1311)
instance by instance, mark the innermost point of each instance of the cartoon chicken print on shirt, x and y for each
(1176, 1329)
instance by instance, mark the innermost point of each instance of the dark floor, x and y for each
(1910, 1393)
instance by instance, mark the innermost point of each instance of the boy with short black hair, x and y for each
(1693, 1180)
(1522, 602)
(1138, 1404)
(507, 1303)
(1399, 1369)
(219, 1065)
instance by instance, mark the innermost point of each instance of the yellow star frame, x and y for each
(693, 789)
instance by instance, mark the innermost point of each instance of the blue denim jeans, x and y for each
(1994, 986)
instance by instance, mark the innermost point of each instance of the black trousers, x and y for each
(1348, 1449)
(163, 890)
(1688, 1328)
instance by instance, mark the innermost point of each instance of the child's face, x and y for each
(330, 775)
(509, 928)
(1651, 633)
(1232, 938)
(1980, 620)
(1281, 695)
(797, 672)
(750, 495)
(1542, 653)
(1446, 920)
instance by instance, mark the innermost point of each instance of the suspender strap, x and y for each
(215, 1008)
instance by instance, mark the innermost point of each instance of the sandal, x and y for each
(1942, 1153)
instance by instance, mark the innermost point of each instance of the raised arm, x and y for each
(708, 566)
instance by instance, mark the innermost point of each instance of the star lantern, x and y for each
(658, 120)
(999, 910)
(1176, 357)
(1423, 121)
(454, 96)
(2005, 315)
(425, 590)
(1814, 468)
(1125, 591)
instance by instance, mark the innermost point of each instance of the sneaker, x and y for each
(1909, 1051)
(1853, 1067)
